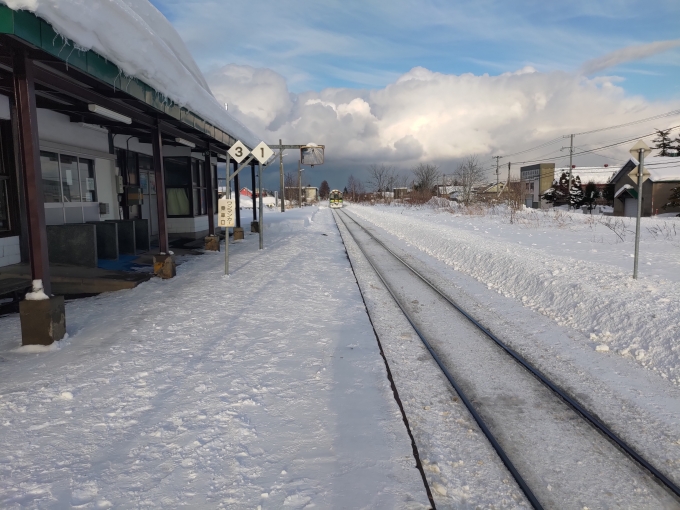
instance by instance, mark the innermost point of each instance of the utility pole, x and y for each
(299, 184)
(497, 174)
(282, 196)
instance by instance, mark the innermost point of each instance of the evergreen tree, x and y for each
(576, 195)
(663, 142)
(559, 193)
(324, 190)
(674, 199)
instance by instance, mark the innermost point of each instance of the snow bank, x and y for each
(135, 36)
(575, 271)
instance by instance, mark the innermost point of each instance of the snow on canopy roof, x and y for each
(596, 174)
(136, 37)
(661, 169)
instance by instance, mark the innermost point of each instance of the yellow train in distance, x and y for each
(335, 199)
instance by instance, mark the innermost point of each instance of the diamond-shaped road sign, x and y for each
(238, 151)
(262, 153)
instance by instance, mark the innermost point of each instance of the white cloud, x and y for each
(429, 116)
(627, 54)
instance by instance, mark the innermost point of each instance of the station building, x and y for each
(89, 155)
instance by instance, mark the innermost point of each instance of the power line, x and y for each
(639, 121)
(660, 116)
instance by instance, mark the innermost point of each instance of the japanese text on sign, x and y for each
(226, 212)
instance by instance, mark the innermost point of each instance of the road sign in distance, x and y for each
(311, 154)
(238, 151)
(226, 212)
(262, 152)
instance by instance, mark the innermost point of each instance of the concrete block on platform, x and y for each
(255, 226)
(164, 266)
(142, 235)
(107, 239)
(73, 244)
(238, 234)
(127, 244)
(212, 243)
(43, 322)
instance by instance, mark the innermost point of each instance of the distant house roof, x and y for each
(661, 169)
(492, 188)
(596, 174)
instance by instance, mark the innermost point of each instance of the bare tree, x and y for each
(354, 187)
(290, 186)
(426, 176)
(381, 177)
(469, 175)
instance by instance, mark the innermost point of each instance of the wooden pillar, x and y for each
(237, 197)
(252, 175)
(157, 143)
(29, 147)
(210, 192)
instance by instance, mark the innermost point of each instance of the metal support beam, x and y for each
(208, 175)
(157, 144)
(29, 146)
(56, 82)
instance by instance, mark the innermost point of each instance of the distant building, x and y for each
(400, 192)
(534, 181)
(661, 175)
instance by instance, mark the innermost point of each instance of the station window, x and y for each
(186, 186)
(67, 178)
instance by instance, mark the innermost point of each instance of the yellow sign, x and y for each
(226, 212)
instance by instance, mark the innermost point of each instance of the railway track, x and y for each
(559, 453)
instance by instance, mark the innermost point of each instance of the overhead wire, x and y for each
(639, 121)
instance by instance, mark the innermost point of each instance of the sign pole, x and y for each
(259, 176)
(641, 164)
(639, 150)
(226, 229)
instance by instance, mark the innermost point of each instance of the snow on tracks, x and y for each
(637, 319)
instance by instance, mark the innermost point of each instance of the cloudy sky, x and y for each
(407, 81)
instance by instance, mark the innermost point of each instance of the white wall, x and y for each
(4, 107)
(9, 251)
(106, 187)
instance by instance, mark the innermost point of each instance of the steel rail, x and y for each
(523, 485)
(563, 394)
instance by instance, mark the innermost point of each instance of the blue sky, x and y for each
(359, 44)
(409, 81)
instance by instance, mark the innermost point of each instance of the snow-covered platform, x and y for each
(265, 388)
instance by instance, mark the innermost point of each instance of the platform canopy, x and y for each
(122, 55)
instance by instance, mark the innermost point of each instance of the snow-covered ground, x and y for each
(573, 268)
(262, 389)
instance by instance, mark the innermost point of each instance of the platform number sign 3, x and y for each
(262, 153)
(238, 151)
(226, 212)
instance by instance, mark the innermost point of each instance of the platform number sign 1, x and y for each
(238, 151)
(262, 153)
(226, 212)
